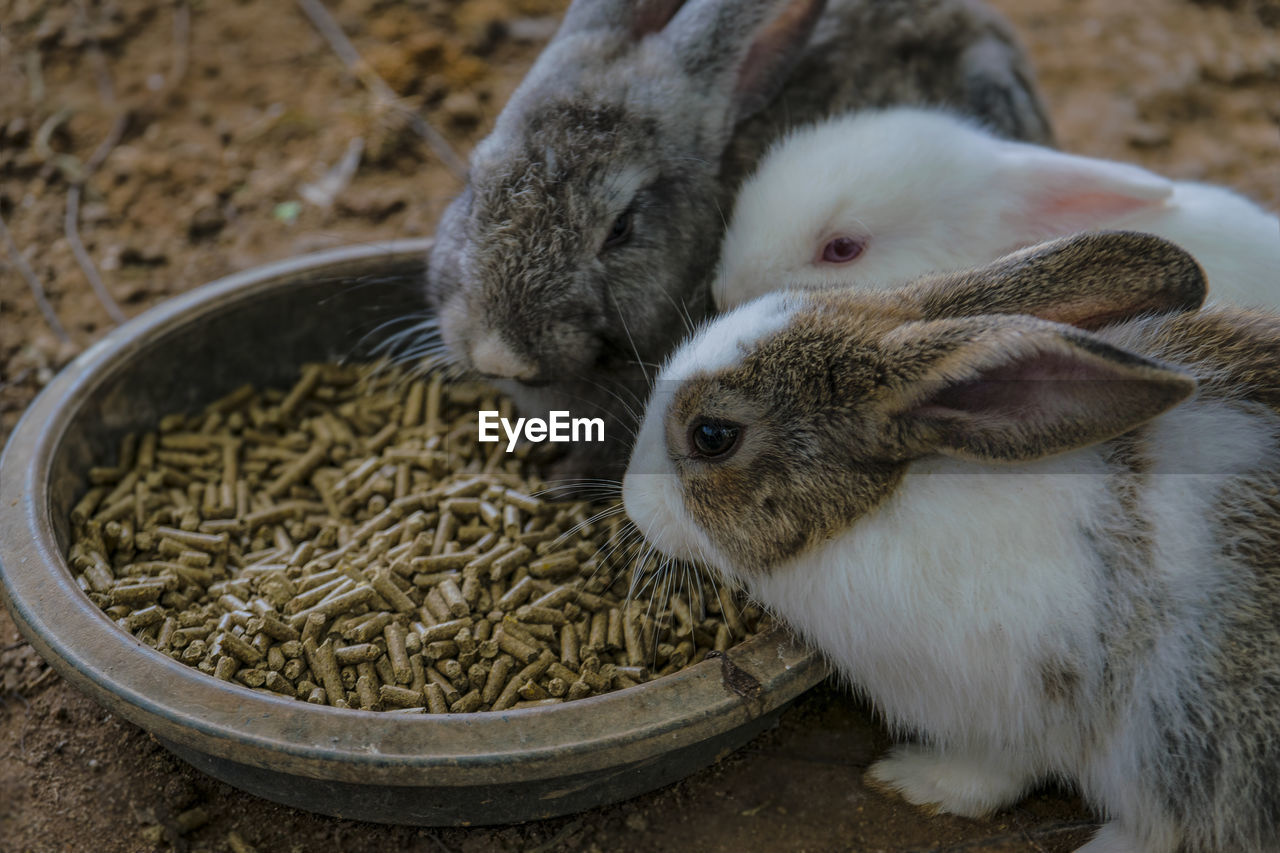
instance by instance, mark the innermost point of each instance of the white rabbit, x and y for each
(1050, 553)
(877, 198)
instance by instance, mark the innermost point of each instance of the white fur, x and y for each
(945, 602)
(491, 355)
(941, 603)
(651, 488)
(967, 784)
(930, 192)
(725, 342)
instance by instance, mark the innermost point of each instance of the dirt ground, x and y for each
(230, 109)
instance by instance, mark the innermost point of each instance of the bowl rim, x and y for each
(178, 703)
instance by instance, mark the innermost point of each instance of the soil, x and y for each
(231, 108)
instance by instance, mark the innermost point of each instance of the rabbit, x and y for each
(882, 196)
(588, 229)
(1029, 510)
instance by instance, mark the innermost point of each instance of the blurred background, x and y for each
(149, 146)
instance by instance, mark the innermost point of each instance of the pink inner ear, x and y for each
(1018, 390)
(1031, 392)
(651, 16)
(1039, 398)
(1058, 194)
(782, 39)
(1084, 208)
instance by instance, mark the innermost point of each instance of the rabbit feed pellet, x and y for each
(349, 542)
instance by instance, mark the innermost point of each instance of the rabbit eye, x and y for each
(620, 231)
(714, 439)
(841, 250)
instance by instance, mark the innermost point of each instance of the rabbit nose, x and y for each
(492, 357)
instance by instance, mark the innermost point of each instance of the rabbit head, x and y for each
(587, 209)
(880, 197)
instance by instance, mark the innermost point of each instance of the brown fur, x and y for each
(1238, 348)
(1060, 680)
(1074, 281)
(857, 385)
(1129, 460)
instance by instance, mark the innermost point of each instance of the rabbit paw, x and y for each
(966, 784)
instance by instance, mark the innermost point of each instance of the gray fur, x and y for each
(658, 96)
(1212, 708)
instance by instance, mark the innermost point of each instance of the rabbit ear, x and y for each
(583, 15)
(1057, 193)
(1087, 281)
(650, 16)
(643, 16)
(1016, 389)
(748, 48)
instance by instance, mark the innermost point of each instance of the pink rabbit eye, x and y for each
(841, 250)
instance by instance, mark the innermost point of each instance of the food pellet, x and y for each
(349, 542)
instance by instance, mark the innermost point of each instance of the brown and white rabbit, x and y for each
(1031, 511)
(591, 221)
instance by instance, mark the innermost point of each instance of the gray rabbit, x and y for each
(582, 248)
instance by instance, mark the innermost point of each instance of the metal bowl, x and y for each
(482, 768)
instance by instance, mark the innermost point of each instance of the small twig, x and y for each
(181, 39)
(37, 289)
(346, 51)
(559, 838)
(46, 131)
(1058, 828)
(68, 165)
(435, 841)
(323, 191)
(1029, 835)
(47, 675)
(100, 153)
(17, 379)
(22, 733)
(35, 77)
(106, 89)
(72, 220)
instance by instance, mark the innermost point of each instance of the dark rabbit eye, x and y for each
(714, 439)
(620, 231)
(841, 250)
